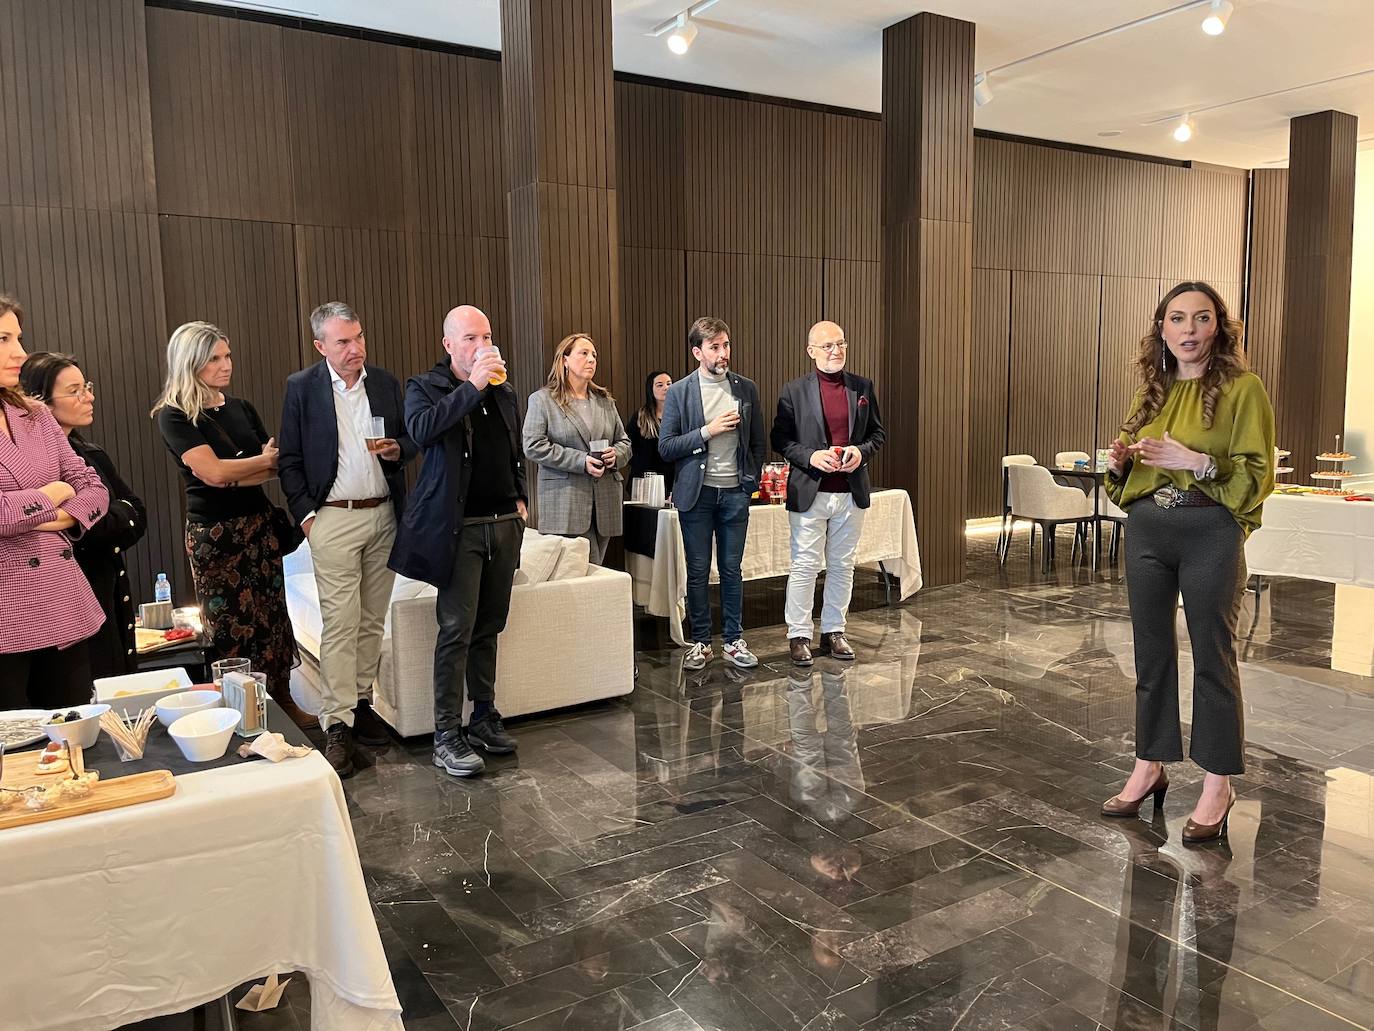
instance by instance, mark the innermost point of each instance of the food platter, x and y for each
(21, 727)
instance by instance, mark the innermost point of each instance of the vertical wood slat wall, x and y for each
(196, 148)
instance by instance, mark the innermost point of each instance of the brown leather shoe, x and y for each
(834, 645)
(800, 650)
(294, 712)
(1197, 833)
(1118, 806)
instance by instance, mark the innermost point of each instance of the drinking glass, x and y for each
(222, 666)
(499, 376)
(376, 434)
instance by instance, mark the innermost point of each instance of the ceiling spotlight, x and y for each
(1218, 14)
(681, 37)
(1183, 132)
(982, 89)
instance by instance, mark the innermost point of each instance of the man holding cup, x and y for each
(463, 529)
(828, 429)
(713, 431)
(342, 466)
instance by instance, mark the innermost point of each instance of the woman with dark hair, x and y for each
(643, 431)
(224, 454)
(57, 381)
(49, 498)
(1192, 468)
(580, 492)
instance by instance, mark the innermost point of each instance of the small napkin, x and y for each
(264, 996)
(273, 746)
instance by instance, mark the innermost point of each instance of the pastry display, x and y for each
(1338, 458)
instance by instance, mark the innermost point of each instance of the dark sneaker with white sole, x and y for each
(455, 756)
(489, 734)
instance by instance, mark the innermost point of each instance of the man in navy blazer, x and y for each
(828, 429)
(345, 485)
(712, 430)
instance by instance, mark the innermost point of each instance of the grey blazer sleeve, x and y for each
(543, 436)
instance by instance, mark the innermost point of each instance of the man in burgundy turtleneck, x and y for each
(828, 429)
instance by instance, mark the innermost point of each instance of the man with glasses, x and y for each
(828, 429)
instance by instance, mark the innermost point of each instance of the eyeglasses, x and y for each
(76, 392)
(833, 348)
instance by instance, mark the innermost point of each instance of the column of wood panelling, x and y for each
(927, 272)
(1264, 313)
(1128, 303)
(559, 123)
(1310, 402)
(78, 232)
(991, 354)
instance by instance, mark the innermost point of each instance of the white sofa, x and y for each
(569, 638)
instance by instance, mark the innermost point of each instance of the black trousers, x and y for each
(1201, 552)
(472, 612)
(46, 678)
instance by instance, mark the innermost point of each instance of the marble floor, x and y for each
(910, 841)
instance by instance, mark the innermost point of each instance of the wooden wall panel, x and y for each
(1204, 216)
(1133, 218)
(656, 319)
(1127, 306)
(1264, 312)
(74, 105)
(1053, 364)
(350, 103)
(990, 355)
(219, 113)
(446, 271)
(853, 187)
(651, 174)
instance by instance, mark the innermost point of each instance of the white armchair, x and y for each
(1037, 498)
(1004, 534)
(1066, 459)
(1108, 511)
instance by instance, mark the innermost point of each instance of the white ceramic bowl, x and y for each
(183, 703)
(83, 732)
(204, 736)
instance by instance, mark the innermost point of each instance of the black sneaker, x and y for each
(489, 734)
(338, 749)
(454, 755)
(368, 726)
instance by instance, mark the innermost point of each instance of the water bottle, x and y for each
(162, 590)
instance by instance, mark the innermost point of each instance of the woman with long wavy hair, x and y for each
(1192, 468)
(580, 491)
(224, 455)
(643, 430)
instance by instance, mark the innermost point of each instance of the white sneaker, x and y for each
(697, 656)
(740, 655)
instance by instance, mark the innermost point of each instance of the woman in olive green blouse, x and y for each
(1192, 468)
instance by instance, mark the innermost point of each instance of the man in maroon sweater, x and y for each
(828, 429)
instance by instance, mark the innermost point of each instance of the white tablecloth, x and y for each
(119, 916)
(889, 537)
(1314, 538)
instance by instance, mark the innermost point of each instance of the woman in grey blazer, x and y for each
(580, 489)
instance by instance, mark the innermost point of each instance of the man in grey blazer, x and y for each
(713, 431)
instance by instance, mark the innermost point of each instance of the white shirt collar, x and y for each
(337, 381)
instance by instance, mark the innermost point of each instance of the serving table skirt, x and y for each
(1314, 538)
(133, 913)
(660, 582)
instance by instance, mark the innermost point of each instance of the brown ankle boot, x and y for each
(294, 712)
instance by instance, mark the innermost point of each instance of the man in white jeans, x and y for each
(828, 429)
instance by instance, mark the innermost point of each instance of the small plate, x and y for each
(34, 716)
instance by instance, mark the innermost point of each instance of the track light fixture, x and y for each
(681, 29)
(1183, 132)
(1218, 14)
(982, 89)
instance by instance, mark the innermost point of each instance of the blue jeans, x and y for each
(724, 512)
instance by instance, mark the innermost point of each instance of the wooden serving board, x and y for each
(113, 794)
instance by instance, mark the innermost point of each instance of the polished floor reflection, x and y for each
(912, 841)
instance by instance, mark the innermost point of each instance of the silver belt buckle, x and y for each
(1168, 497)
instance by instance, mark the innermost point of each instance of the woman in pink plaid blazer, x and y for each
(48, 498)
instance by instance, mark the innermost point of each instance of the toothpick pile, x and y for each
(130, 733)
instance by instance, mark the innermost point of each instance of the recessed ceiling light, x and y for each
(1108, 134)
(1218, 14)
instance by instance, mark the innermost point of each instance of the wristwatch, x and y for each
(1209, 471)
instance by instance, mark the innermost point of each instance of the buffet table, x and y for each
(247, 870)
(660, 581)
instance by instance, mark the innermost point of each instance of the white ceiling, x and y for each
(830, 51)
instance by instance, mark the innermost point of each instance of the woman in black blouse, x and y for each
(57, 381)
(643, 432)
(225, 454)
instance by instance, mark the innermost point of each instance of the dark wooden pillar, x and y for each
(927, 276)
(1309, 402)
(559, 115)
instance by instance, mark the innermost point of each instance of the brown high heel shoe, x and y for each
(1197, 833)
(1118, 806)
